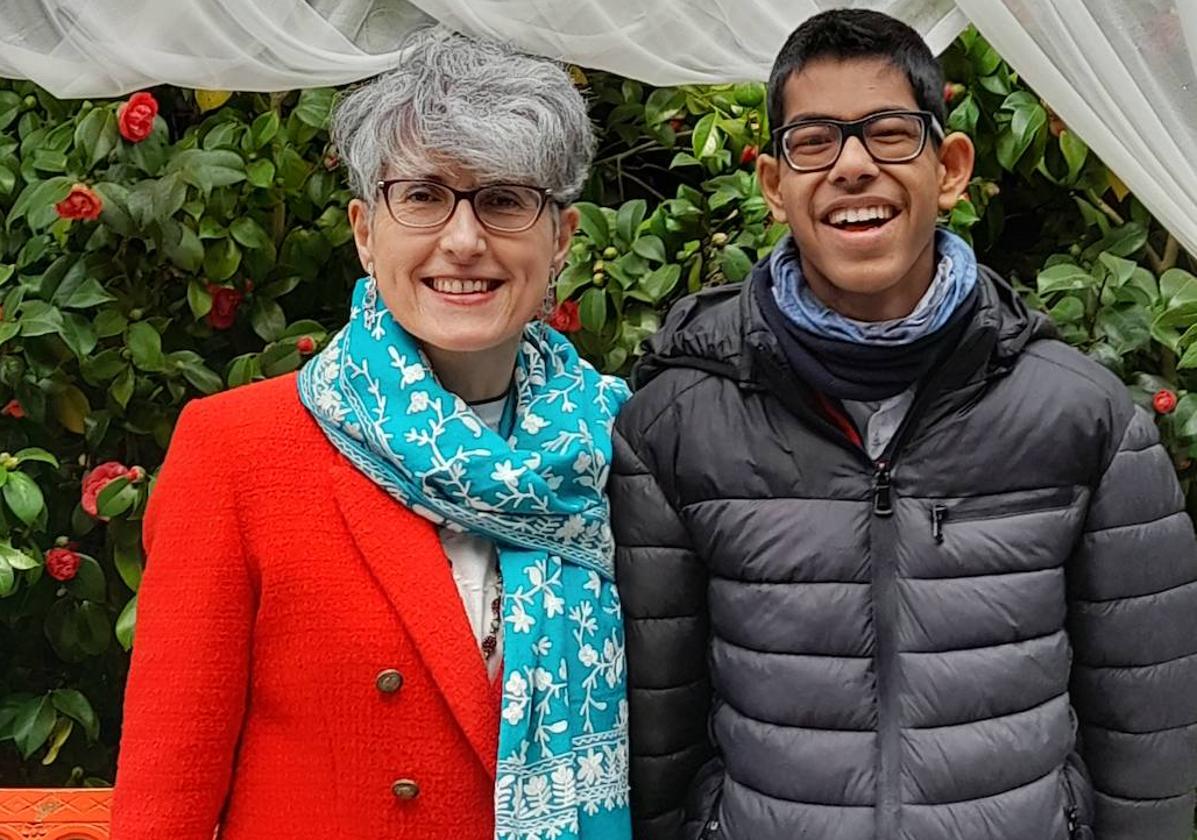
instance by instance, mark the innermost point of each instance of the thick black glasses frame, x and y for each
(856, 128)
(384, 187)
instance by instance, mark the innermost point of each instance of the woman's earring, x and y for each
(549, 305)
(370, 270)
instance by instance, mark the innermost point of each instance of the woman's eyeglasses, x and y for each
(504, 208)
(889, 137)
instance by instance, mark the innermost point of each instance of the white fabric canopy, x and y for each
(1120, 73)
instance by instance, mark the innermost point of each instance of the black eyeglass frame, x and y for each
(544, 196)
(856, 128)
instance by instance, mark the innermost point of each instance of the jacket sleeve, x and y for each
(186, 693)
(1133, 625)
(663, 586)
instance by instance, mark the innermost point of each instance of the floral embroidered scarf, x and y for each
(539, 496)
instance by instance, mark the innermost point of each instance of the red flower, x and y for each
(95, 481)
(748, 155)
(677, 124)
(225, 301)
(135, 118)
(952, 91)
(305, 345)
(1164, 401)
(565, 317)
(81, 203)
(14, 409)
(62, 564)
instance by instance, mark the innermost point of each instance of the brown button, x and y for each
(405, 789)
(389, 681)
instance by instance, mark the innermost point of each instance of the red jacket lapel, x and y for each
(404, 554)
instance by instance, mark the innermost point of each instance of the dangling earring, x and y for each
(370, 269)
(549, 304)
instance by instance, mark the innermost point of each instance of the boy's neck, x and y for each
(891, 304)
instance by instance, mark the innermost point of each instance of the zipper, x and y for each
(938, 514)
(710, 828)
(883, 493)
(1072, 813)
(977, 508)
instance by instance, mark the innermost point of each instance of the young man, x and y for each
(896, 564)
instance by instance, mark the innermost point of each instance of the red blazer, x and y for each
(282, 591)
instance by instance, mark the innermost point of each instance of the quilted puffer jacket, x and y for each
(990, 633)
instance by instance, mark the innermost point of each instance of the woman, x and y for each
(378, 602)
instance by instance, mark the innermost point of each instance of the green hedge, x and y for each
(207, 246)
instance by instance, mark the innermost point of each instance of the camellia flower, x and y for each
(13, 409)
(565, 317)
(225, 302)
(81, 203)
(95, 481)
(1164, 401)
(749, 155)
(135, 118)
(305, 345)
(62, 563)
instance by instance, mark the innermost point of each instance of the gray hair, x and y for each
(466, 105)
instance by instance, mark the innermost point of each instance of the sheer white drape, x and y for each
(1121, 73)
(79, 48)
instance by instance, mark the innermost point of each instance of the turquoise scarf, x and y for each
(563, 753)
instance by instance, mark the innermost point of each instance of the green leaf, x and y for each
(97, 135)
(89, 583)
(63, 727)
(1063, 278)
(1178, 287)
(314, 106)
(249, 233)
(628, 220)
(33, 453)
(117, 497)
(38, 196)
(145, 345)
(706, 138)
(593, 310)
(735, 263)
(182, 246)
(1124, 241)
(1068, 310)
(573, 278)
(116, 212)
(121, 388)
(199, 299)
(18, 559)
(167, 195)
(263, 130)
(593, 223)
(40, 318)
(267, 318)
(1127, 327)
(206, 169)
(24, 497)
(8, 580)
(202, 378)
(1121, 269)
(93, 628)
(221, 259)
(661, 282)
(279, 359)
(127, 559)
(33, 724)
(76, 706)
(260, 173)
(651, 248)
(125, 624)
(1075, 153)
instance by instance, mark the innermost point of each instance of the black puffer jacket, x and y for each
(990, 634)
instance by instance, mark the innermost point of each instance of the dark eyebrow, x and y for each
(814, 116)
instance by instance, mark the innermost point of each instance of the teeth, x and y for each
(454, 286)
(856, 215)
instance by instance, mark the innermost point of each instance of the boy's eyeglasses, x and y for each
(889, 137)
(504, 208)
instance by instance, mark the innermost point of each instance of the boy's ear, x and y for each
(956, 157)
(768, 173)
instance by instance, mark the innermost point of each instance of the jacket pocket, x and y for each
(947, 512)
(1078, 799)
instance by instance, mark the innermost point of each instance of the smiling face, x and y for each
(865, 230)
(461, 288)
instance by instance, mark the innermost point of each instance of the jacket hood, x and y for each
(723, 331)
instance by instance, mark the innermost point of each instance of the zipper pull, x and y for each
(883, 501)
(938, 514)
(1074, 820)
